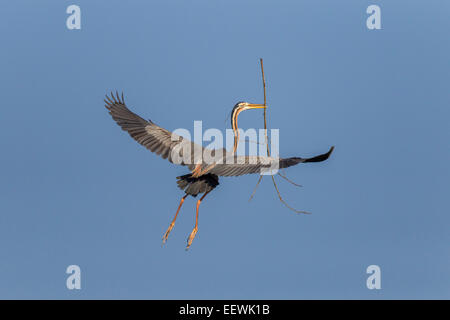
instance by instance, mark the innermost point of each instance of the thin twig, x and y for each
(284, 202)
(256, 187)
(265, 109)
(268, 151)
(288, 180)
(265, 125)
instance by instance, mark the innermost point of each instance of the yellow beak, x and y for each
(256, 106)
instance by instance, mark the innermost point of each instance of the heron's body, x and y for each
(204, 176)
(195, 185)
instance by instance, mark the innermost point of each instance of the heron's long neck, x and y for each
(234, 126)
(236, 139)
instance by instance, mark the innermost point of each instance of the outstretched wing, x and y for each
(154, 138)
(240, 165)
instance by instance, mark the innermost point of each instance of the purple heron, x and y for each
(204, 176)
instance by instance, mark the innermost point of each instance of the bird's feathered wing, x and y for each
(169, 145)
(151, 136)
(241, 165)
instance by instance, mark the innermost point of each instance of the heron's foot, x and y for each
(191, 237)
(166, 235)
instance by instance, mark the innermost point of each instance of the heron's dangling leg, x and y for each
(194, 232)
(166, 235)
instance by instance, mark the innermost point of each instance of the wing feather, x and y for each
(147, 133)
(163, 143)
(240, 165)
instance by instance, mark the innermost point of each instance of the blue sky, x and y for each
(75, 189)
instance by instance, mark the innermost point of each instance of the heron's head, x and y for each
(238, 108)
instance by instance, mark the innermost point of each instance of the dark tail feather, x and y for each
(321, 157)
(284, 163)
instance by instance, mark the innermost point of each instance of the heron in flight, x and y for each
(204, 175)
